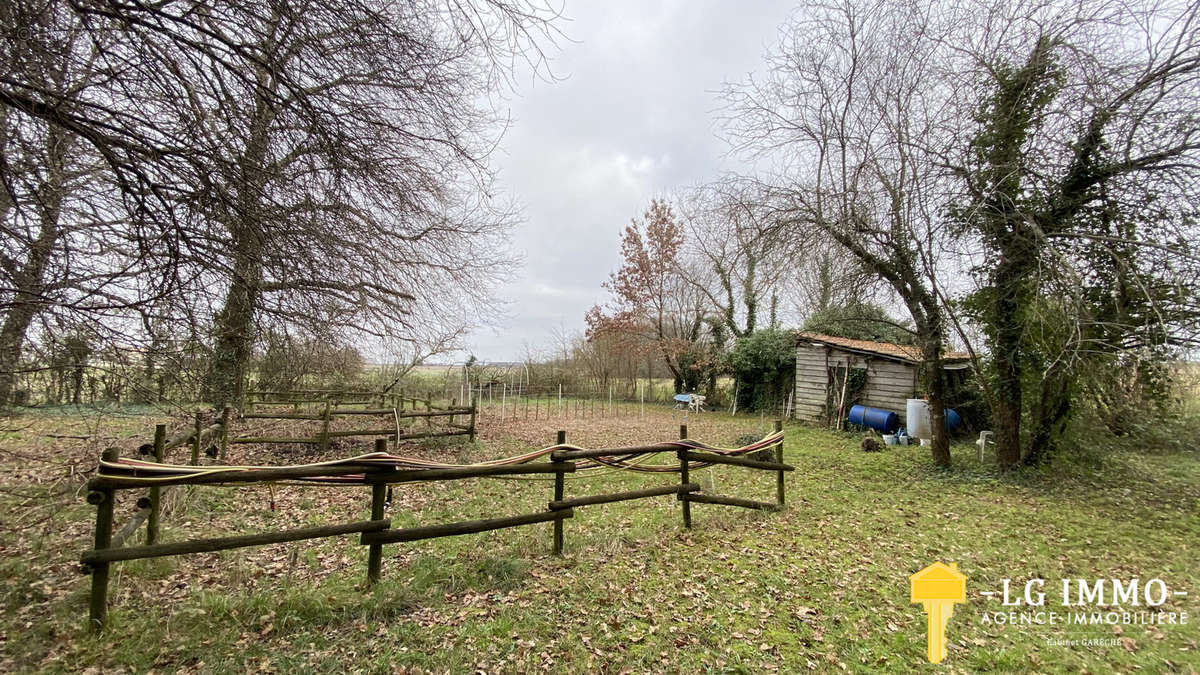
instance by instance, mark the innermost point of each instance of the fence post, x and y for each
(428, 408)
(378, 498)
(160, 442)
(325, 429)
(198, 422)
(226, 414)
(779, 459)
(471, 432)
(103, 498)
(683, 478)
(559, 487)
(453, 405)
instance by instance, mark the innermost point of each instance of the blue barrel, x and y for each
(953, 420)
(884, 421)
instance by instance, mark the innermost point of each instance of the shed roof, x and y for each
(887, 350)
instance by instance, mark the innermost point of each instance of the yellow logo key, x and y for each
(937, 588)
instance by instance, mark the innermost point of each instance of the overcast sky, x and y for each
(631, 119)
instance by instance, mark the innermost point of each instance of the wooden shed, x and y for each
(834, 373)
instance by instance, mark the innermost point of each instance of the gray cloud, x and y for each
(631, 120)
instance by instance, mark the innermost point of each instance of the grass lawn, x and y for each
(820, 586)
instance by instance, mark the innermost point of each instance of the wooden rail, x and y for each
(464, 527)
(686, 457)
(623, 496)
(686, 491)
(396, 413)
(266, 440)
(566, 455)
(226, 543)
(376, 531)
(338, 397)
(183, 438)
(217, 435)
(713, 458)
(730, 501)
(281, 416)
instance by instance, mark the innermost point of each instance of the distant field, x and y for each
(821, 586)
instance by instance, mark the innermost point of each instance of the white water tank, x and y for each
(917, 418)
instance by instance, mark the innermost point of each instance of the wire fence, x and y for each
(517, 402)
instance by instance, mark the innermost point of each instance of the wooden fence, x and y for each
(150, 506)
(377, 531)
(217, 436)
(298, 398)
(397, 413)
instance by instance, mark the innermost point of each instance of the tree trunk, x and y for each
(12, 337)
(933, 378)
(1006, 356)
(231, 346)
(233, 340)
(77, 384)
(1016, 109)
(29, 280)
(1048, 419)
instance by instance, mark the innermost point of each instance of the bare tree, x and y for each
(319, 164)
(70, 253)
(403, 355)
(1050, 149)
(827, 277)
(742, 256)
(846, 95)
(360, 199)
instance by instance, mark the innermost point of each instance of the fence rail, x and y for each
(377, 531)
(337, 398)
(217, 435)
(403, 408)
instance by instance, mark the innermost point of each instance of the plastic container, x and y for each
(889, 439)
(926, 442)
(883, 421)
(953, 419)
(917, 418)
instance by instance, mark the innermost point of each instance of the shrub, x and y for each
(764, 363)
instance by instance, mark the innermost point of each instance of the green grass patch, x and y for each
(822, 585)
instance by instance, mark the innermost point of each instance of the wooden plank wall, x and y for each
(811, 381)
(889, 383)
